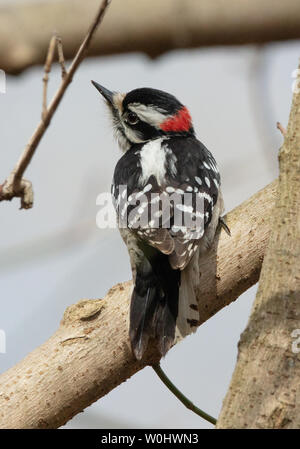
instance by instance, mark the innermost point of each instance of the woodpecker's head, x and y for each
(145, 114)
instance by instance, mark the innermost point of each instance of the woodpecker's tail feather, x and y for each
(188, 312)
(154, 304)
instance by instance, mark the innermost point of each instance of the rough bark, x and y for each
(152, 27)
(90, 353)
(265, 387)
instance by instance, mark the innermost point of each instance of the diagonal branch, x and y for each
(61, 58)
(180, 396)
(47, 69)
(55, 42)
(15, 185)
(90, 353)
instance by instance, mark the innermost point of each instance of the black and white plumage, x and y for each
(166, 191)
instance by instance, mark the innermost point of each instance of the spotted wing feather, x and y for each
(192, 176)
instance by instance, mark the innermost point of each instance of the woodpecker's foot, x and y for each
(224, 226)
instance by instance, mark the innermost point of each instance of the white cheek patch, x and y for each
(149, 114)
(132, 134)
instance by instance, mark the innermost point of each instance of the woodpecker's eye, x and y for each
(132, 118)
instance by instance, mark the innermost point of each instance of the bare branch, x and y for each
(90, 353)
(61, 58)
(47, 69)
(181, 397)
(14, 186)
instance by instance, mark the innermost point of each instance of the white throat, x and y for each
(153, 161)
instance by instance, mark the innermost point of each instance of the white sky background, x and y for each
(53, 255)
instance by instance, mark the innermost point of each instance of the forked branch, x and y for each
(15, 185)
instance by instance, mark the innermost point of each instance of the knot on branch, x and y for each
(13, 187)
(83, 310)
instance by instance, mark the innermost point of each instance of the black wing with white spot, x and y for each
(171, 215)
(197, 174)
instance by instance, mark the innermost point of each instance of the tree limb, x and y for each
(152, 27)
(90, 353)
(15, 185)
(264, 390)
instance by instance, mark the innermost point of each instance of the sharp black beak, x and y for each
(107, 94)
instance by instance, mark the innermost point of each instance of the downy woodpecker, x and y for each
(162, 160)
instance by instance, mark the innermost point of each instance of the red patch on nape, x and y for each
(181, 121)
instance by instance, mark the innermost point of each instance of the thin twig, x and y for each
(61, 58)
(185, 401)
(281, 128)
(14, 185)
(55, 42)
(47, 69)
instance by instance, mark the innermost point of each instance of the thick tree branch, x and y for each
(264, 390)
(15, 185)
(90, 353)
(152, 27)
